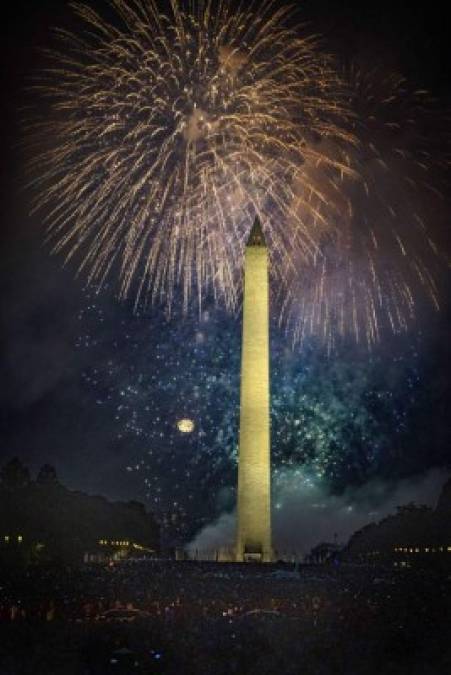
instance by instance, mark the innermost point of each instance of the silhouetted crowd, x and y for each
(194, 617)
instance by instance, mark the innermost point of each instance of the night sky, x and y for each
(97, 390)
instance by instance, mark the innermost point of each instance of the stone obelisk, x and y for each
(254, 477)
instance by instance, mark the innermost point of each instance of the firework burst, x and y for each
(386, 254)
(167, 133)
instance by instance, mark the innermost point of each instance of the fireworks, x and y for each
(340, 421)
(166, 134)
(384, 255)
(169, 134)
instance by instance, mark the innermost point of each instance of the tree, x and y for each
(47, 475)
(14, 474)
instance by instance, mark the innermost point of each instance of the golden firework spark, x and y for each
(386, 253)
(167, 133)
(167, 136)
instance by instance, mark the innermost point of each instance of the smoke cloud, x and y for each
(305, 513)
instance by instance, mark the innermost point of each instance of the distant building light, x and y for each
(449, 549)
(417, 550)
(426, 550)
(7, 538)
(19, 538)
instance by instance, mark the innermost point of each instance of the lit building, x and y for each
(47, 522)
(414, 536)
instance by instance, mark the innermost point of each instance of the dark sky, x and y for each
(68, 356)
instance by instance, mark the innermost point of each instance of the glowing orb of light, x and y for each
(185, 425)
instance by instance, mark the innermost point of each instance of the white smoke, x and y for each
(305, 513)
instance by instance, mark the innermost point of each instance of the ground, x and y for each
(201, 618)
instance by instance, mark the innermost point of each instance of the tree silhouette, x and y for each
(14, 474)
(47, 475)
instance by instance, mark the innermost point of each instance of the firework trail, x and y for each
(166, 134)
(387, 253)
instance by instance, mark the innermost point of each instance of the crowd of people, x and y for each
(150, 616)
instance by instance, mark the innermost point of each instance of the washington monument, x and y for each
(254, 478)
